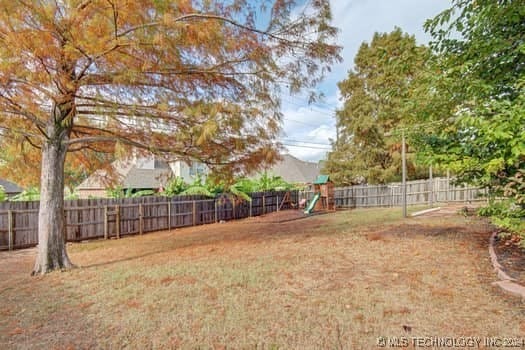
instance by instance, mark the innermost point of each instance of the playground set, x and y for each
(323, 199)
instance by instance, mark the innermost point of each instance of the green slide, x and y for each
(311, 205)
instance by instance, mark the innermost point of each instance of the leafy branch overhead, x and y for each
(480, 53)
(194, 80)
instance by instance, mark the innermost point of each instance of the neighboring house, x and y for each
(139, 174)
(188, 172)
(294, 170)
(11, 189)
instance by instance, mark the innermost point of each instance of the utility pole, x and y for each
(431, 183)
(404, 176)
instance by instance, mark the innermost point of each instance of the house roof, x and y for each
(321, 180)
(146, 178)
(130, 175)
(294, 170)
(10, 187)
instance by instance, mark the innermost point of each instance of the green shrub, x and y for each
(31, 194)
(3, 195)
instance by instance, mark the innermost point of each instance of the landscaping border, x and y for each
(506, 283)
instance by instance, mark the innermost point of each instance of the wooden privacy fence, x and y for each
(418, 192)
(107, 218)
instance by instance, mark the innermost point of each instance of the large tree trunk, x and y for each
(52, 253)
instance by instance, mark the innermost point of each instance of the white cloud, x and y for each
(307, 131)
(357, 21)
(322, 133)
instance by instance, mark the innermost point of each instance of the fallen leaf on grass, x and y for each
(392, 311)
(166, 281)
(6, 312)
(16, 331)
(375, 236)
(359, 317)
(133, 304)
(442, 292)
(84, 306)
(175, 342)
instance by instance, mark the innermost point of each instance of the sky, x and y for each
(312, 126)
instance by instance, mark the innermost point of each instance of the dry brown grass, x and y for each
(334, 281)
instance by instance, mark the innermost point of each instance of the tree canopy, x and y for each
(480, 57)
(191, 79)
(375, 96)
(194, 79)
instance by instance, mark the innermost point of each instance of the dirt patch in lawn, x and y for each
(511, 255)
(321, 282)
(508, 247)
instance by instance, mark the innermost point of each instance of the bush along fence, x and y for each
(431, 191)
(114, 218)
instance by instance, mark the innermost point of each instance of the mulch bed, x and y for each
(511, 255)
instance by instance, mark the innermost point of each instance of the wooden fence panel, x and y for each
(25, 224)
(418, 192)
(257, 204)
(129, 219)
(242, 209)
(108, 218)
(205, 211)
(82, 223)
(225, 209)
(4, 230)
(154, 216)
(181, 213)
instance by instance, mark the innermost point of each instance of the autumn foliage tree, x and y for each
(375, 95)
(20, 163)
(191, 79)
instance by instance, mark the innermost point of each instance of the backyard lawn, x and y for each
(335, 281)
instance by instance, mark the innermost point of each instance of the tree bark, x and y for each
(52, 253)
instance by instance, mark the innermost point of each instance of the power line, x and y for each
(308, 142)
(300, 122)
(309, 147)
(395, 132)
(303, 98)
(306, 105)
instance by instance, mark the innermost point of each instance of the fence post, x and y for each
(117, 220)
(277, 204)
(194, 213)
(447, 197)
(105, 222)
(216, 213)
(233, 209)
(264, 205)
(251, 204)
(141, 219)
(169, 215)
(10, 228)
(431, 181)
(404, 175)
